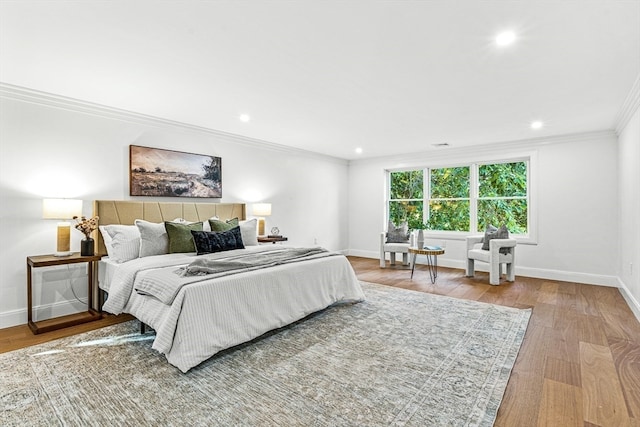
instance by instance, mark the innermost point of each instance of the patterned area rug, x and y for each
(399, 358)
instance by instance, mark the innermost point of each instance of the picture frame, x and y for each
(167, 173)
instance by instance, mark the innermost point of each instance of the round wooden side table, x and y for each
(432, 260)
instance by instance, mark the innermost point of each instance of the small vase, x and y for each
(86, 247)
(420, 239)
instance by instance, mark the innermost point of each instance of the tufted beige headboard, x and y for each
(126, 212)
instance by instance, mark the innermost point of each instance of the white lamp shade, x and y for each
(262, 209)
(61, 208)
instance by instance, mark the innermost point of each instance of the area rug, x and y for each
(399, 358)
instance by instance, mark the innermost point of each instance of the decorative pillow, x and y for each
(491, 233)
(399, 234)
(217, 241)
(218, 225)
(106, 238)
(249, 230)
(180, 238)
(154, 239)
(123, 242)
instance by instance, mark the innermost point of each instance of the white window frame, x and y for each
(532, 201)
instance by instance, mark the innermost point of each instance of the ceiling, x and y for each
(330, 76)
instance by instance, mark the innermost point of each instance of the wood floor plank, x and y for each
(565, 343)
(626, 357)
(603, 400)
(521, 402)
(592, 329)
(543, 313)
(561, 371)
(587, 298)
(548, 293)
(561, 405)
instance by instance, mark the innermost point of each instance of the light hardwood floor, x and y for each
(579, 364)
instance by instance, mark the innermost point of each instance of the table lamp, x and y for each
(64, 210)
(261, 210)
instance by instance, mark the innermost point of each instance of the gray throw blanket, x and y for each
(250, 261)
(164, 284)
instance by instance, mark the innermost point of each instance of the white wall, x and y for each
(49, 148)
(575, 185)
(629, 200)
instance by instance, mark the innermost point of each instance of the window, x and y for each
(449, 199)
(462, 198)
(502, 196)
(406, 197)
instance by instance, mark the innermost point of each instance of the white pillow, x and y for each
(125, 242)
(106, 239)
(249, 232)
(154, 239)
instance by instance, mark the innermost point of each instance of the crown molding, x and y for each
(34, 96)
(495, 148)
(629, 107)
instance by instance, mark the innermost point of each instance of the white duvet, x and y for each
(211, 315)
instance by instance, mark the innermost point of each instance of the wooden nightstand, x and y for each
(62, 321)
(267, 239)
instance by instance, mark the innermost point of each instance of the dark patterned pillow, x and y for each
(495, 233)
(208, 242)
(398, 234)
(218, 225)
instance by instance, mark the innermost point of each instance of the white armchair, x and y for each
(493, 257)
(393, 249)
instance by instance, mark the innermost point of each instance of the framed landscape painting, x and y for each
(168, 173)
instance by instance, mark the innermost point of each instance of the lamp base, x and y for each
(68, 253)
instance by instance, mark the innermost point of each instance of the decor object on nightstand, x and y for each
(86, 226)
(275, 232)
(261, 210)
(64, 210)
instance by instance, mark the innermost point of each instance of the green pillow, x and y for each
(180, 238)
(217, 225)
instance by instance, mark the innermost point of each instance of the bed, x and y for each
(197, 313)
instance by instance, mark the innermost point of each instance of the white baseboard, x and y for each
(633, 303)
(538, 273)
(62, 308)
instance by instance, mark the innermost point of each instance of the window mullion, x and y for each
(426, 194)
(473, 196)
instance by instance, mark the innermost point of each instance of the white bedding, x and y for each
(212, 315)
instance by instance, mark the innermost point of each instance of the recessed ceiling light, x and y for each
(536, 125)
(358, 150)
(244, 117)
(505, 38)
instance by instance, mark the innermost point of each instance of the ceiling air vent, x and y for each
(442, 144)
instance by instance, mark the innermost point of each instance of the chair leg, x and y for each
(393, 258)
(405, 258)
(494, 274)
(470, 268)
(382, 260)
(511, 272)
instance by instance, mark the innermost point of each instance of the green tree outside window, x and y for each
(502, 197)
